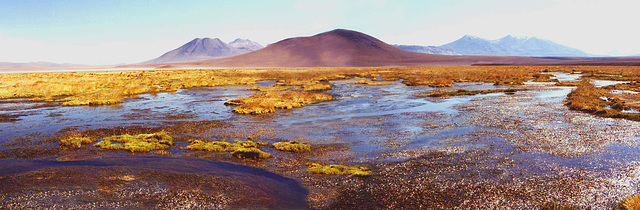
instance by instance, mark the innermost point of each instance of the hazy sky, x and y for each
(131, 31)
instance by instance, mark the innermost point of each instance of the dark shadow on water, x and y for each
(287, 192)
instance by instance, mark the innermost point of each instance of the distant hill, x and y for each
(36, 65)
(426, 49)
(206, 48)
(512, 46)
(245, 45)
(346, 48)
(340, 48)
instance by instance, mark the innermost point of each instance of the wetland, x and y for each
(463, 137)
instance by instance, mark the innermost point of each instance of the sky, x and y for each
(99, 32)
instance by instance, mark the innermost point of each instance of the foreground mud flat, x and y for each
(497, 150)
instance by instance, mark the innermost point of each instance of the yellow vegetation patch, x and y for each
(292, 146)
(631, 203)
(267, 102)
(338, 170)
(75, 140)
(316, 86)
(591, 99)
(239, 149)
(137, 143)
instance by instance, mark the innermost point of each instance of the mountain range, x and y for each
(206, 48)
(36, 65)
(342, 48)
(427, 49)
(506, 46)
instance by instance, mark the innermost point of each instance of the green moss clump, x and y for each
(75, 141)
(292, 146)
(239, 149)
(138, 143)
(248, 144)
(215, 146)
(338, 170)
(250, 153)
(106, 144)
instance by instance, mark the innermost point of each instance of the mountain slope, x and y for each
(512, 46)
(426, 49)
(245, 45)
(206, 48)
(36, 65)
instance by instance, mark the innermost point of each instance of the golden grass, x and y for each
(239, 149)
(107, 88)
(631, 203)
(338, 170)
(137, 143)
(111, 87)
(591, 99)
(316, 86)
(543, 78)
(268, 102)
(292, 146)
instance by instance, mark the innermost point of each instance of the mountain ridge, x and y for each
(205, 48)
(340, 48)
(512, 46)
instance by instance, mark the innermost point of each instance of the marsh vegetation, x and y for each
(378, 143)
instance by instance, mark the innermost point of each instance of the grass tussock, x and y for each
(631, 86)
(250, 153)
(316, 86)
(268, 102)
(598, 101)
(239, 149)
(338, 170)
(367, 82)
(75, 139)
(292, 146)
(137, 143)
(571, 84)
(463, 92)
(106, 144)
(631, 203)
(543, 78)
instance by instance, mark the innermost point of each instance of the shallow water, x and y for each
(280, 192)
